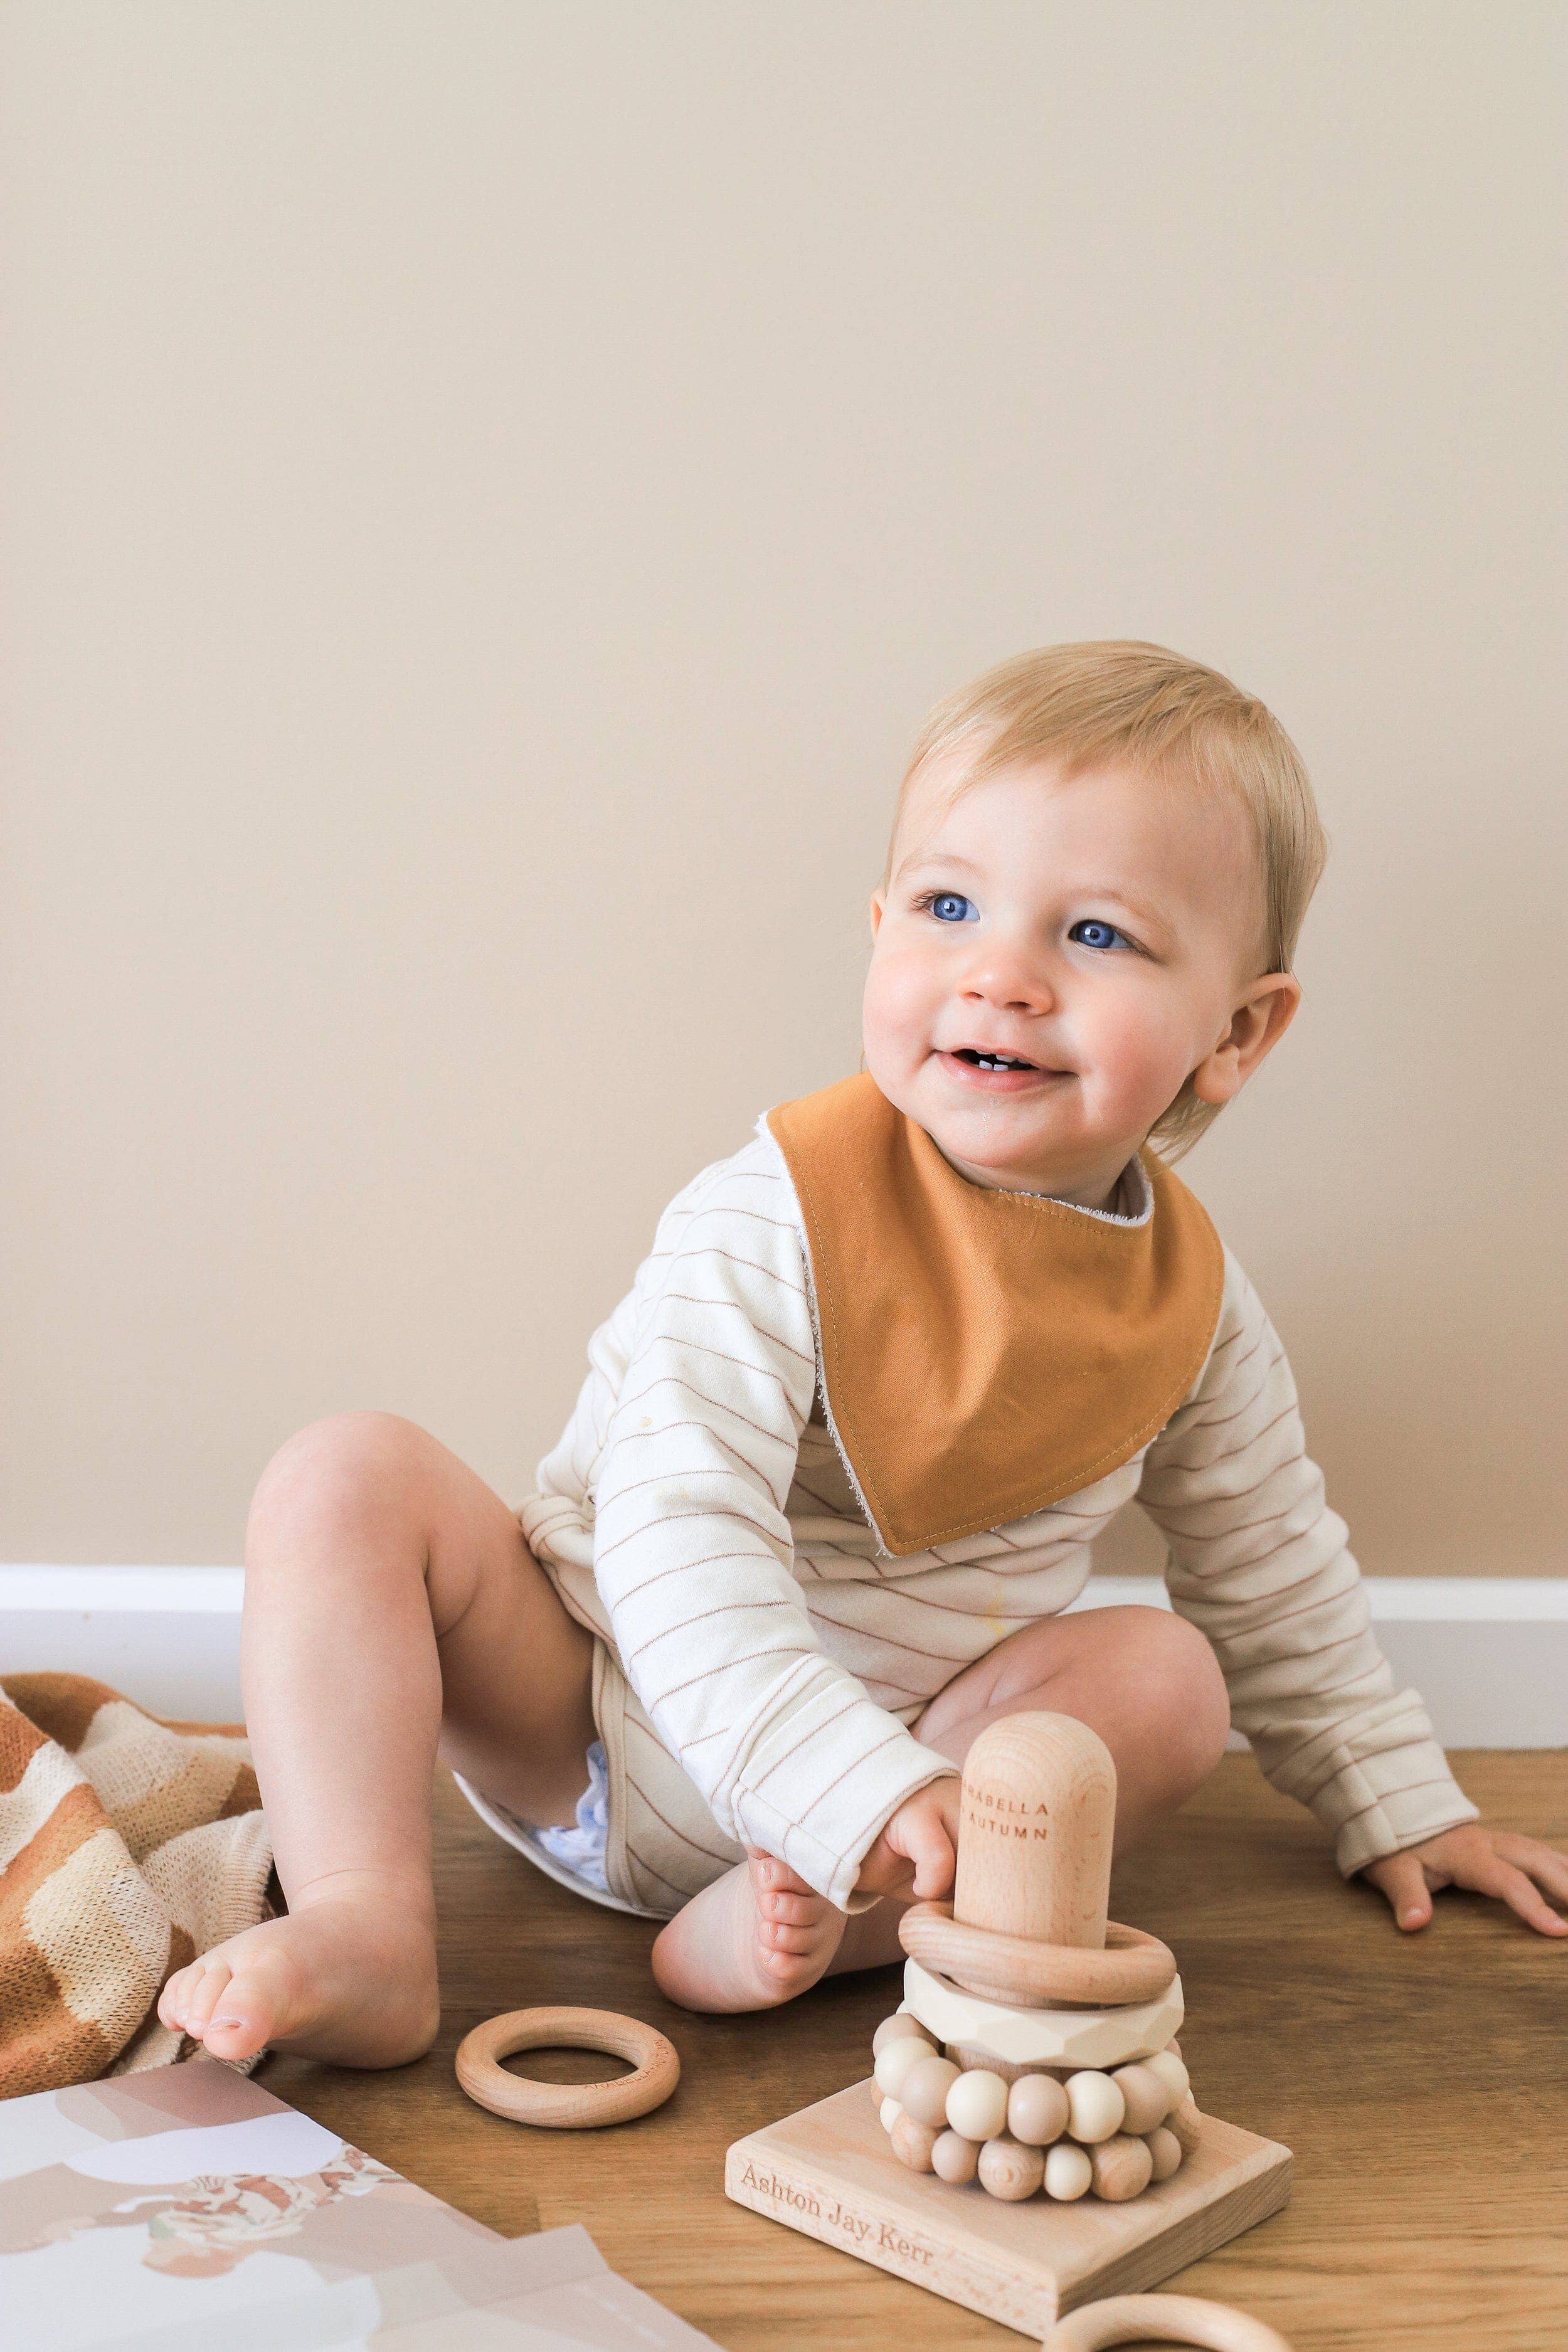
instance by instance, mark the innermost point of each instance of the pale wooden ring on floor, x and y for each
(567, 2106)
(1162, 2319)
(1131, 1968)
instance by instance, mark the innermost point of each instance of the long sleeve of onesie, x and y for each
(692, 1548)
(1261, 1565)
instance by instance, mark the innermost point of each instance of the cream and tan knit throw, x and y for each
(127, 1847)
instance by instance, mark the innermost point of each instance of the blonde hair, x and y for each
(1080, 706)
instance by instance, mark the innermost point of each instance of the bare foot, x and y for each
(756, 1937)
(348, 1976)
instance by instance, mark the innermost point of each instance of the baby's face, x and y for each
(1053, 958)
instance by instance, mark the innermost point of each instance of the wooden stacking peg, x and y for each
(1035, 1829)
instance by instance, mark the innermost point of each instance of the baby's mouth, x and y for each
(986, 1072)
(977, 1060)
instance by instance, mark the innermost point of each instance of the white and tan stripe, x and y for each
(703, 1525)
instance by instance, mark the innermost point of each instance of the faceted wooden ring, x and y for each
(1162, 2319)
(1012, 1969)
(567, 2106)
(987, 2031)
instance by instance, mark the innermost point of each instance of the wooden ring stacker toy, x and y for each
(1162, 2319)
(567, 2106)
(1132, 1967)
(1028, 2140)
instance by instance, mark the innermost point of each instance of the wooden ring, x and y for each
(1133, 1967)
(567, 2106)
(1073, 2039)
(1161, 2318)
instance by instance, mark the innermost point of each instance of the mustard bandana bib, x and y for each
(984, 1352)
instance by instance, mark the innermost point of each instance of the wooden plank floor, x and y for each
(1422, 2083)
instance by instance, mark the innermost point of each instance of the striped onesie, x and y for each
(760, 1659)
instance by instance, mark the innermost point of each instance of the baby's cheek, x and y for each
(1141, 1055)
(898, 1007)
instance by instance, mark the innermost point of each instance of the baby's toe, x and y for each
(261, 1999)
(181, 1994)
(771, 1877)
(793, 1910)
(777, 1936)
(790, 1969)
(243, 2022)
(203, 1995)
(174, 1998)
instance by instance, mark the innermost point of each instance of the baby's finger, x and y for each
(1520, 1893)
(1403, 1883)
(934, 1860)
(1542, 1862)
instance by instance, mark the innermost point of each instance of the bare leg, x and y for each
(390, 1604)
(1146, 1680)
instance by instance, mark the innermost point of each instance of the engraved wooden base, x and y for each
(828, 2171)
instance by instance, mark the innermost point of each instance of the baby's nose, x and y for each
(1011, 985)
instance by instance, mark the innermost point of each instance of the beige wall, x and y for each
(493, 488)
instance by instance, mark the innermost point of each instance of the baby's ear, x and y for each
(1272, 1004)
(1256, 1025)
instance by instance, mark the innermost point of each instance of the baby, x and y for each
(842, 1450)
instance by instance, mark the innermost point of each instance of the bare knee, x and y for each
(353, 1474)
(1146, 1680)
(1176, 1684)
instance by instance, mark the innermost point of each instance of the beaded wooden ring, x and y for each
(567, 2106)
(1133, 1967)
(1161, 2318)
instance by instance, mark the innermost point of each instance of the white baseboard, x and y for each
(1490, 1655)
(167, 1637)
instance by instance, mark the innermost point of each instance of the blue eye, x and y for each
(1093, 934)
(949, 908)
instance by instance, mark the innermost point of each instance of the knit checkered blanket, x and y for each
(127, 1845)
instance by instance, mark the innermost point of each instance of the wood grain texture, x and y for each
(828, 2171)
(1042, 2037)
(567, 2106)
(1163, 2318)
(1133, 1966)
(1035, 1833)
(1418, 2079)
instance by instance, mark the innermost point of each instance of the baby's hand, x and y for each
(919, 1843)
(1488, 1861)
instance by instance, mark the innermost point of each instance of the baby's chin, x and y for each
(1028, 1164)
(1021, 1140)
